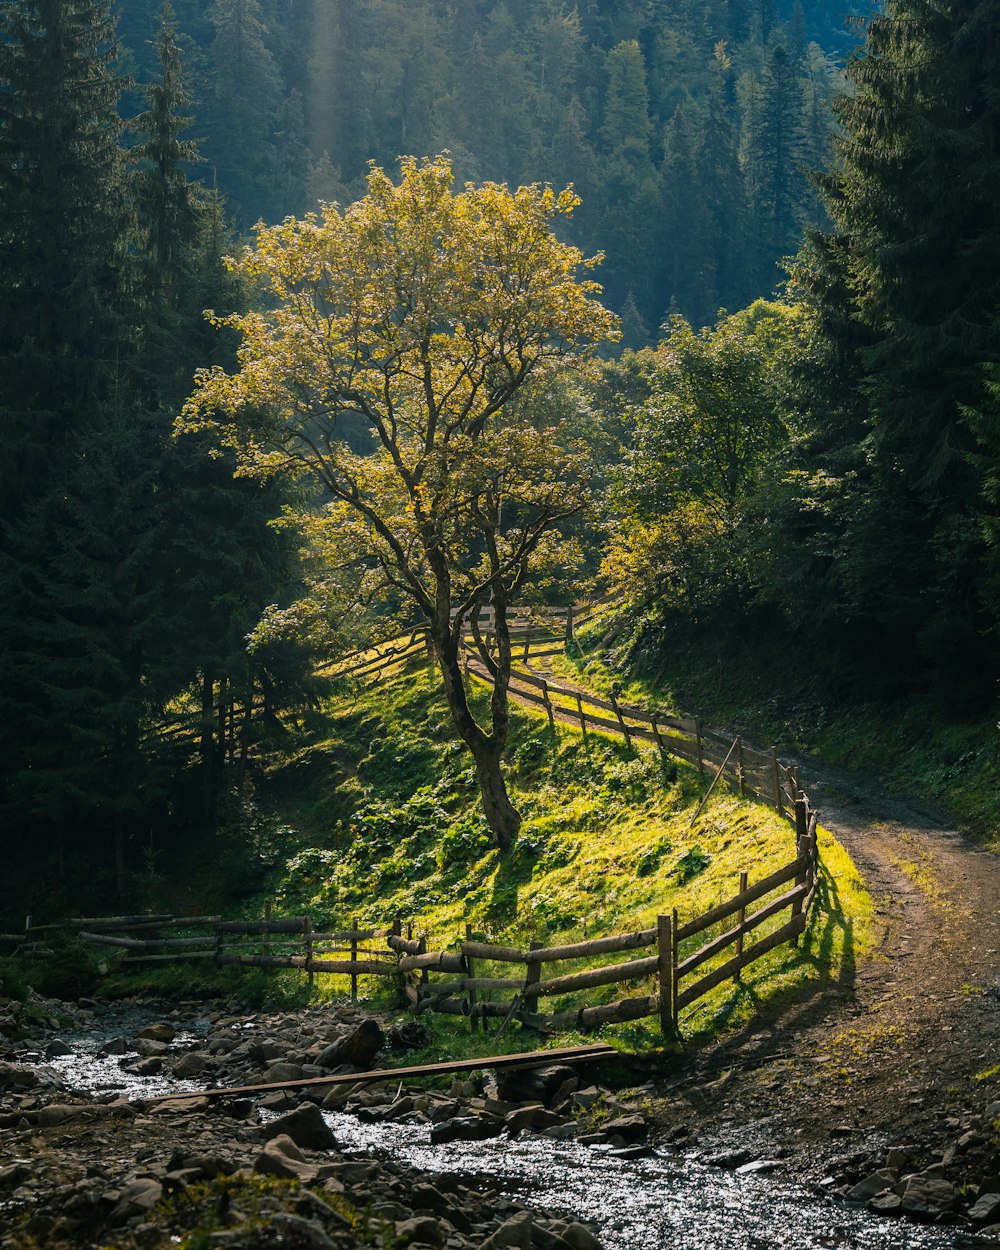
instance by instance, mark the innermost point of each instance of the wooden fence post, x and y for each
(801, 819)
(582, 715)
(548, 704)
(397, 931)
(354, 960)
(220, 944)
(532, 976)
(741, 779)
(697, 734)
(470, 972)
(779, 802)
(569, 626)
(307, 946)
(621, 720)
(266, 939)
(656, 732)
(741, 916)
(665, 972)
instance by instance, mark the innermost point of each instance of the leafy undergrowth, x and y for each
(913, 745)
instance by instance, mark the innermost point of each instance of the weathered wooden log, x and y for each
(406, 946)
(491, 983)
(173, 957)
(106, 922)
(634, 969)
(287, 924)
(751, 922)
(499, 954)
(620, 1012)
(445, 1006)
(765, 886)
(730, 968)
(441, 961)
(13, 937)
(346, 935)
(442, 989)
(592, 946)
(362, 967)
(107, 939)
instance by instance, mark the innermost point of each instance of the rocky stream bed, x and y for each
(553, 1159)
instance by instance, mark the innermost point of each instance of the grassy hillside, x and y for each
(379, 818)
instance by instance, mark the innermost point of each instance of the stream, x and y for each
(667, 1200)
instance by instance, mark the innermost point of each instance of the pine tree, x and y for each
(912, 271)
(65, 332)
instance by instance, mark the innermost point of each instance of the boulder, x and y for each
(136, 1198)
(534, 1116)
(157, 1033)
(579, 1236)
(927, 1198)
(466, 1128)
(513, 1234)
(358, 1048)
(189, 1065)
(873, 1185)
(279, 1072)
(632, 1129)
(305, 1126)
(281, 1157)
(986, 1209)
(55, 1113)
(419, 1228)
(148, 1047)
(542, 1085)
(57, 1048)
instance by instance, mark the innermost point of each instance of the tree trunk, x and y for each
(502, 817)
(487, 749)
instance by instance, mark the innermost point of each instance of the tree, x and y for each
(402, 332)
(696, 488)
(64, 325)
(906, 285)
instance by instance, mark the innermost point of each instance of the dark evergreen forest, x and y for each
(687, 127)
(830, 442)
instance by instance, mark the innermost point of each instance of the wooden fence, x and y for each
(678, 952)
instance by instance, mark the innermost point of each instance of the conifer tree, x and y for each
(64, 329)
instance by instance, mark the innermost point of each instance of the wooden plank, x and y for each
(593, 946)
(612, 974)
(173, 957)
(729, 969)
(362, 967)
(732, 935)
(528, 1059)
(765, 886)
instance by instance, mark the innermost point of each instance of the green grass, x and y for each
(381, 819)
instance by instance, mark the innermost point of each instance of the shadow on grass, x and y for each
(824, 965)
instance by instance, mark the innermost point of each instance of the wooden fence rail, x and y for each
(292, 942)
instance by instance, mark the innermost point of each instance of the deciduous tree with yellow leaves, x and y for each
(401, 341)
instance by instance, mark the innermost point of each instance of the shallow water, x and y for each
(665, 1202)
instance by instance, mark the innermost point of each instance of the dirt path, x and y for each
(891, 1054)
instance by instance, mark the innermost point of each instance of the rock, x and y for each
(533, 1116)
(586, 1098)
(513, 1234)
(148, 1047)
(886, 1204)
(189, 1065)
(281, 1157)
(305, 1126)
(14, 1077)
(279, 1072)
(579, 1236)
(136, 1198)
(534, 1084)
(877, 1183)
(927, 1198)
(896, 1158)
(358, 1048)
(144, 1067)
(632, 1129)
(991, 1114)
(157, 1033)
(55, 1113)
(113, 1046)
(759, 1167)
(410, 1035)
(465, 1128)
(986, 1209)
(56, 1048)
(301, 1233)
(420, 1228)
(969, 1141)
